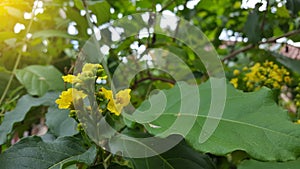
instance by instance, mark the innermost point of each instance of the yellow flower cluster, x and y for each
(297, 97)
(66, 98)
(89, 71)
(115, 105)
(267, 74)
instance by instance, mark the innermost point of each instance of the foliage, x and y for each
(55, 100)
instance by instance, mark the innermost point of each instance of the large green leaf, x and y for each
(251, 122)
(33, 153)
(251, 164)
(40, 79)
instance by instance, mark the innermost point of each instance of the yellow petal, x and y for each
(69, 78)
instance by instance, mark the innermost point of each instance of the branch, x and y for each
(152, 79)
(167, 5)
(250, 46)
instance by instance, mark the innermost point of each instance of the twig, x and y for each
(264, 17)
(19, 55)
(167, 5)
(234, 53)
(250, 46)
(153, 79)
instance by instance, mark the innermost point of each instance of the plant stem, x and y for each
(19, 54)
(250, 46)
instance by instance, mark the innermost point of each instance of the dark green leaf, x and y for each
(23, 106)
(179, 157)
(4, 78)
(102, 11)
(33, 153)
(60, 123)
(253, 164)
(251, 27)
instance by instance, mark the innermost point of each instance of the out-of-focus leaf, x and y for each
(52, 33)
(81, 22)
(32, 152)
(283, 12)
(288, 62)
(102, 11)
(294, 6)
(14, 12)
(251, 27)
(39, 79)
(7, 35)
(4, 78)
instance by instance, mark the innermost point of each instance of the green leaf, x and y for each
(102, 11)
(293, 64)
(40, 79)
(52, 33)
(250, 164)
(251, 122)
(179, 157)
(7, 35)
(32, 152)
(87, 157)
(14, 12)
(251, 27)
(283, 12)
(293, 6)
(59, 122)
(23, 106)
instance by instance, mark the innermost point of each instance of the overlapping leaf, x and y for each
(32, 152)
(57, 120)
